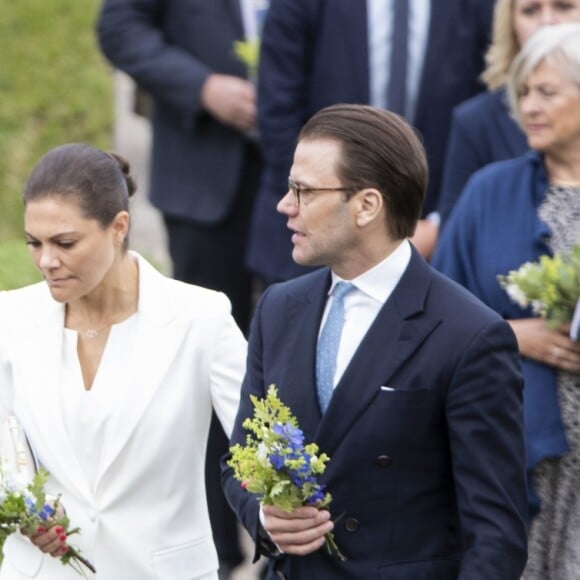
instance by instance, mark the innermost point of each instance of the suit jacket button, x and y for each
(351, 524)
(383, 461)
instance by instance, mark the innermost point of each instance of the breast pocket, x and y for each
(195, 560)
(402, 399)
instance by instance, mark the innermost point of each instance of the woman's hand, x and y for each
(50, 540)
(549, 346)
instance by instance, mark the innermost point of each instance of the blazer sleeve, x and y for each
(484, 411)
(462, 159)
(227, 369)
(245, 504)
(131, 36)
(5, 371)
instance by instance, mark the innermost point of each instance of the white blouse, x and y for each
(87, 412)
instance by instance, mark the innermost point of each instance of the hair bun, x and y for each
(125, 169)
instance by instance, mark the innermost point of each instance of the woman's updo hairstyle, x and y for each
(99, 182)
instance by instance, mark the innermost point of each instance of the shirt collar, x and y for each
(380, 281)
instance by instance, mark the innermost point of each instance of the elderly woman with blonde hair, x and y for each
(482, 129)
(513, 212)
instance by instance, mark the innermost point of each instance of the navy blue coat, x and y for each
(482, 131)
(315, 54)
(170, 47)
(428, 476)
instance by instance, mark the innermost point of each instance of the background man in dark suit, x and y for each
(205, 166)
(318, 52)
(422, 418)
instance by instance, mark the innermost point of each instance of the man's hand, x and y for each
(299, 532)
(231, 100)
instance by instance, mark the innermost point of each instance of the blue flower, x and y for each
(30, 505)
(277, 461)
(46, 512)
(293, 435)
(317, 496)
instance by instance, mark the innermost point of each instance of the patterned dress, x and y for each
(554, 540)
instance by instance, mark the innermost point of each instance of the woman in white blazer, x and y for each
(112, 370)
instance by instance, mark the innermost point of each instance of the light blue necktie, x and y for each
(397, 93)
(328, 342)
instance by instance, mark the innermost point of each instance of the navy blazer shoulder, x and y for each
(482, 132)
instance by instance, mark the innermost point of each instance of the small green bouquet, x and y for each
(248, 52)
(27, 509)
(550, 286)
(276, 465)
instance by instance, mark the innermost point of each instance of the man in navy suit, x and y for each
(424, 419)
(317, 53)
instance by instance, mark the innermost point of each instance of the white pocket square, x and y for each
(388, 389)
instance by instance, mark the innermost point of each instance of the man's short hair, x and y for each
(379, 149)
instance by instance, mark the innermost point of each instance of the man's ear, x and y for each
(369, 206)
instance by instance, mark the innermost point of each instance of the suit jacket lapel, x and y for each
(234, 8)
(395, 335)
(513, 137)
(298, 387)
(439, 35)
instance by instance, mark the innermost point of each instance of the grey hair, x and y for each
(559, 43)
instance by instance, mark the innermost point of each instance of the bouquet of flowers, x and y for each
(24, 506)
(276, 465)
(550, 286)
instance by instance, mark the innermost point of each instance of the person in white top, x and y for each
(112, 370)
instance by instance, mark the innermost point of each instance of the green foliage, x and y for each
(550, 286)
(248, 52)
(55, 87)
(276, 465)
(16, 266)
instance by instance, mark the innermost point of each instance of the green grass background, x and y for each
(55, 87)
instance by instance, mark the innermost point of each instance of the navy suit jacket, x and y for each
(482, 131)
(429, 476)
(170, 47)
(315, 54)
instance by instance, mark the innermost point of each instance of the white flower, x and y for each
(538, 307)
(516, 294)
(262, 454)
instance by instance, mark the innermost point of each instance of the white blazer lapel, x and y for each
(37, 399)
(159, 336)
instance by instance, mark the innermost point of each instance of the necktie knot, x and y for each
(328, 343)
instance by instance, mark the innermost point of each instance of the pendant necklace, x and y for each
(93, 332)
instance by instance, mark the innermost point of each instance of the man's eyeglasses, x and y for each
(297, 190)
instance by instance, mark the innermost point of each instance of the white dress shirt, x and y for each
(253, 13)
(362, 305)
(380, 33)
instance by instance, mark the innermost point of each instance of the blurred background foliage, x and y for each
(55, 87)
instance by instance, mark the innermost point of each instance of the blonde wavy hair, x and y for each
(504, 46)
